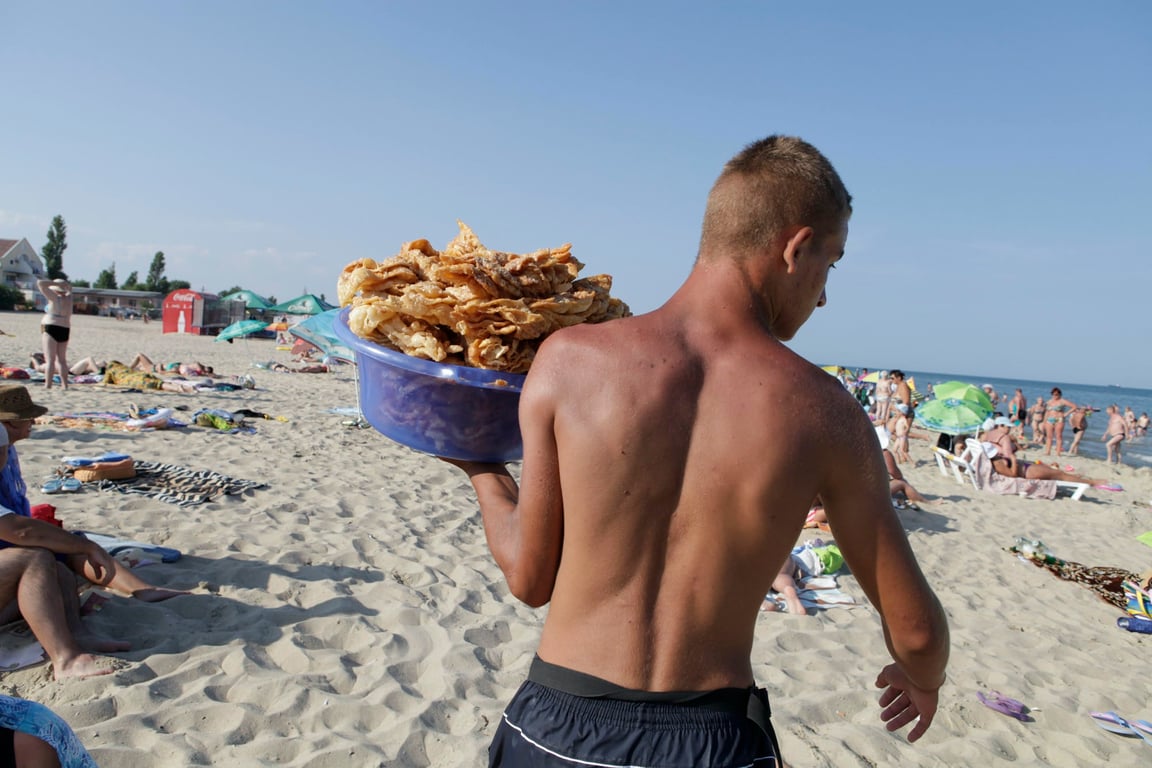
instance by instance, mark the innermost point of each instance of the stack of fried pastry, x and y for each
(468, 305)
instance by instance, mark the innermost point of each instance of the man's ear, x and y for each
(799, 240)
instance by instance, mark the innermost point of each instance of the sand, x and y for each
(350, 615)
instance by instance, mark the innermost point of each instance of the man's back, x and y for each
(687, 464)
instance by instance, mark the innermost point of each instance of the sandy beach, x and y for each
(349, 614)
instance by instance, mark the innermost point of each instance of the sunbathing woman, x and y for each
(1005, 463)
(144, 363)
(118, 374)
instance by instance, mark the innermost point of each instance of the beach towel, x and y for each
(114, 546)
(179, 485)
(987, 479)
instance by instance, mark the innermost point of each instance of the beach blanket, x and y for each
(183, 486)
(987, 479)
(115, 546)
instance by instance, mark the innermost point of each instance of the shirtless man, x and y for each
(654, 514)
(1114, 433)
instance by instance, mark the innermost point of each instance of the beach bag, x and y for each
(106, 470)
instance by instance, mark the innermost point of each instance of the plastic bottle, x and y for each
(1135, 624)
(1030, 547)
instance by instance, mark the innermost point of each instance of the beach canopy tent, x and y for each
(307, 304)
(256, 304)
(198, 313)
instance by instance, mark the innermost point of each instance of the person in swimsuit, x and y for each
(1036, 418)
(1017, 413)
(1079, 422)
(1005, 462)
(884, 388)
(57, 329)
(1056, 411)
(1114, 434)
(653, 515)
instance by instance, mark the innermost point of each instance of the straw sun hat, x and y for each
(16, 403)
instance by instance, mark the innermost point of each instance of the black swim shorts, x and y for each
(545, 727)
(57, 332)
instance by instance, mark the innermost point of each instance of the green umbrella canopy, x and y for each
(307, 304)
(241, 328)
(951, 416)
(962, 390)
(251, 300)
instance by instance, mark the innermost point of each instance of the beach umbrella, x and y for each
(317, 330)
(962, 390)
(872, 378)
(951, 416)
(241, 328)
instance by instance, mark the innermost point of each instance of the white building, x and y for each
(20, 268)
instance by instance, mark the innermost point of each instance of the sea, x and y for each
(1135, 452)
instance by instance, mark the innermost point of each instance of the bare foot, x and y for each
(90, 641)
(87, 665)
(158, 594)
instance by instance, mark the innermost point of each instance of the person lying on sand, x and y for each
(194, 368)
(118, 374)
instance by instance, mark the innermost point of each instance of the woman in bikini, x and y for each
(57, 329)
(1036, 419)
(1057, 410)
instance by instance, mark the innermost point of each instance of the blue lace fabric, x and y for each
(13, 491)
(43, 723)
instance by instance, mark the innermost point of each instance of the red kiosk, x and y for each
(188, 311)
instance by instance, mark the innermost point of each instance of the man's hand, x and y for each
(103, 565)
(903, 702)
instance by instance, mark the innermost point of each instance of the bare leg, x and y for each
(1041, 471)
(1059, 440)
(910, 493)
(30, 577)
(142, 363)
(49, 359)
(125, 581)
(32, 752)
(62, 363)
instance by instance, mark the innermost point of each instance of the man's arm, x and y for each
(854, 488)
(524, 525)
(27, 532)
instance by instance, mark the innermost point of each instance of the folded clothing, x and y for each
(106, 470)
(83, 461)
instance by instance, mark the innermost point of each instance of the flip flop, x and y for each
(71, 485)
(1112, 722)
(1109, 487)
(1004, 705)
(52, 485)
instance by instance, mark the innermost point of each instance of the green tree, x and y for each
(230, 291)
(80, 283)
(10, 297)
(131, 283)
(156, 280)
(53, 250)
(177, 285)
(107, 278)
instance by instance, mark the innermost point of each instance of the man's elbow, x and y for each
(533, 592)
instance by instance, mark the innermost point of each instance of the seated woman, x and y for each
(1004, 462)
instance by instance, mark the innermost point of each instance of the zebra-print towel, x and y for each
(179, 485)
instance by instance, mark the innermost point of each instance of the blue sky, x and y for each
(998, 153)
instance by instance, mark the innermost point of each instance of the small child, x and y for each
(900, 439)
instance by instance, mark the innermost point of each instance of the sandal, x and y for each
(70, 485)
(52, 485)
(1004, 705)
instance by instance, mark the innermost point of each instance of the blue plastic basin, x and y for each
(446, 410)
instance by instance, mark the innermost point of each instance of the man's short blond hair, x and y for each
(771, 185)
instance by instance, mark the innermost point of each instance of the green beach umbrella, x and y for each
(241, 328)
(962, 390)
(952, 416)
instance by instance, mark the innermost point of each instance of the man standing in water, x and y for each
(670, 460)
